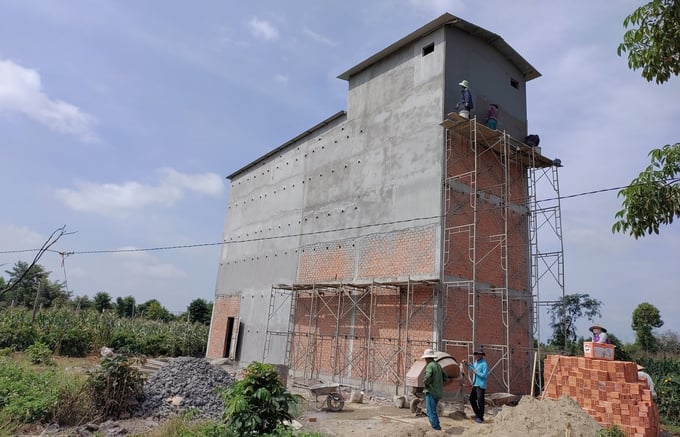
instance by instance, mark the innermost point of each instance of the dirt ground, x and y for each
(379, 421)
(378, 417)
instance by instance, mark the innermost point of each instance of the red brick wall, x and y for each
(223, 308)
(371, 342)
(403, 253)
(490, 257)
(491, 219)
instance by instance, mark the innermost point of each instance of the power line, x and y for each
(300, 234)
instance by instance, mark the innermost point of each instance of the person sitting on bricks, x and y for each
(434, 386)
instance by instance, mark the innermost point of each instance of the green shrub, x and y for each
(27, 396)
(74, 406)
(668, 394)
(76, 333)
(39, 353)
(16, 330)
(115, 387)
(258, 404)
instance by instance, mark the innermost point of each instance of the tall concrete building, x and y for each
(393, 226)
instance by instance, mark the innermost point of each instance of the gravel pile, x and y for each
(184, 384)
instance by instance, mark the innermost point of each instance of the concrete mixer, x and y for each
(416, 375)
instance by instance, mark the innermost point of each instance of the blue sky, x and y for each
(121, 120)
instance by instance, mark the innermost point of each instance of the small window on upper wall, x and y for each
(514, 83)
(428, 49)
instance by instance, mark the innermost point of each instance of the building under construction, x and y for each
(397, 225)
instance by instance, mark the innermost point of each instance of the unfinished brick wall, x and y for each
(361, 334)
(223, 308)
(609, 391)
(402, 253)
(493, 220)
(495, 244)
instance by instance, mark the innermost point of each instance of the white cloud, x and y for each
(21, 91)
(318, 37)
(280, 78)
(122, 199)
(263, 29)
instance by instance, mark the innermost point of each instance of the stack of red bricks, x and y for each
(609, 391)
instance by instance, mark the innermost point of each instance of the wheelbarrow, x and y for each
(330, 394)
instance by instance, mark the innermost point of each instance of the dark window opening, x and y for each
(428, 49)
(231, 339)
(514, 83)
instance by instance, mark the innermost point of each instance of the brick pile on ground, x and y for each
(608, 390)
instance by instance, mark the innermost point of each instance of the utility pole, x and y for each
(35, 304)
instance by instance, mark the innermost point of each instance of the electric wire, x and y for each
(301, 234)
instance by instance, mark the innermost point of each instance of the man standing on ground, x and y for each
(434, 386)
(481, 371)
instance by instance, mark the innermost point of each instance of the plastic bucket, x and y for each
(464, 113)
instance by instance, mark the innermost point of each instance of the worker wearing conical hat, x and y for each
(599, 334)
(466, 104)
(434, 387)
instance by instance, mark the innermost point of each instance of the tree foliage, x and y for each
(200, 311)
(646, 317)
(102, 301)
(153, 310)
(653, 198)
(565, 312)
(653, 44)
(125, 306)
(27, 282)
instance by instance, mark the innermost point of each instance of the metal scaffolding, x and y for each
(333, 326)
(521, 177)
(330, 329)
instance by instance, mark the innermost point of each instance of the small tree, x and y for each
(153, 310)
(125, 306)
(564, 314)
(645, 317)
(200, 311)
(102, 301)
(258, 403)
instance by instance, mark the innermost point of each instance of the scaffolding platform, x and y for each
(493, 138)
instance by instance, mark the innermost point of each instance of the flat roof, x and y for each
(447, 19)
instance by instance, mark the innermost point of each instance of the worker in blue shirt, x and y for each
(466, 104)
(480, 371)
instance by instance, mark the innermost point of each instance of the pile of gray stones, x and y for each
(181, 385)
(184, 384)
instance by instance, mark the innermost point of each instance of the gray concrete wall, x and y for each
(358, 181)
(489, 75)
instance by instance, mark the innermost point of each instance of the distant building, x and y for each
(392, 227)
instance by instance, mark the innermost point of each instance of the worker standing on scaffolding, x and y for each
(465, 105)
